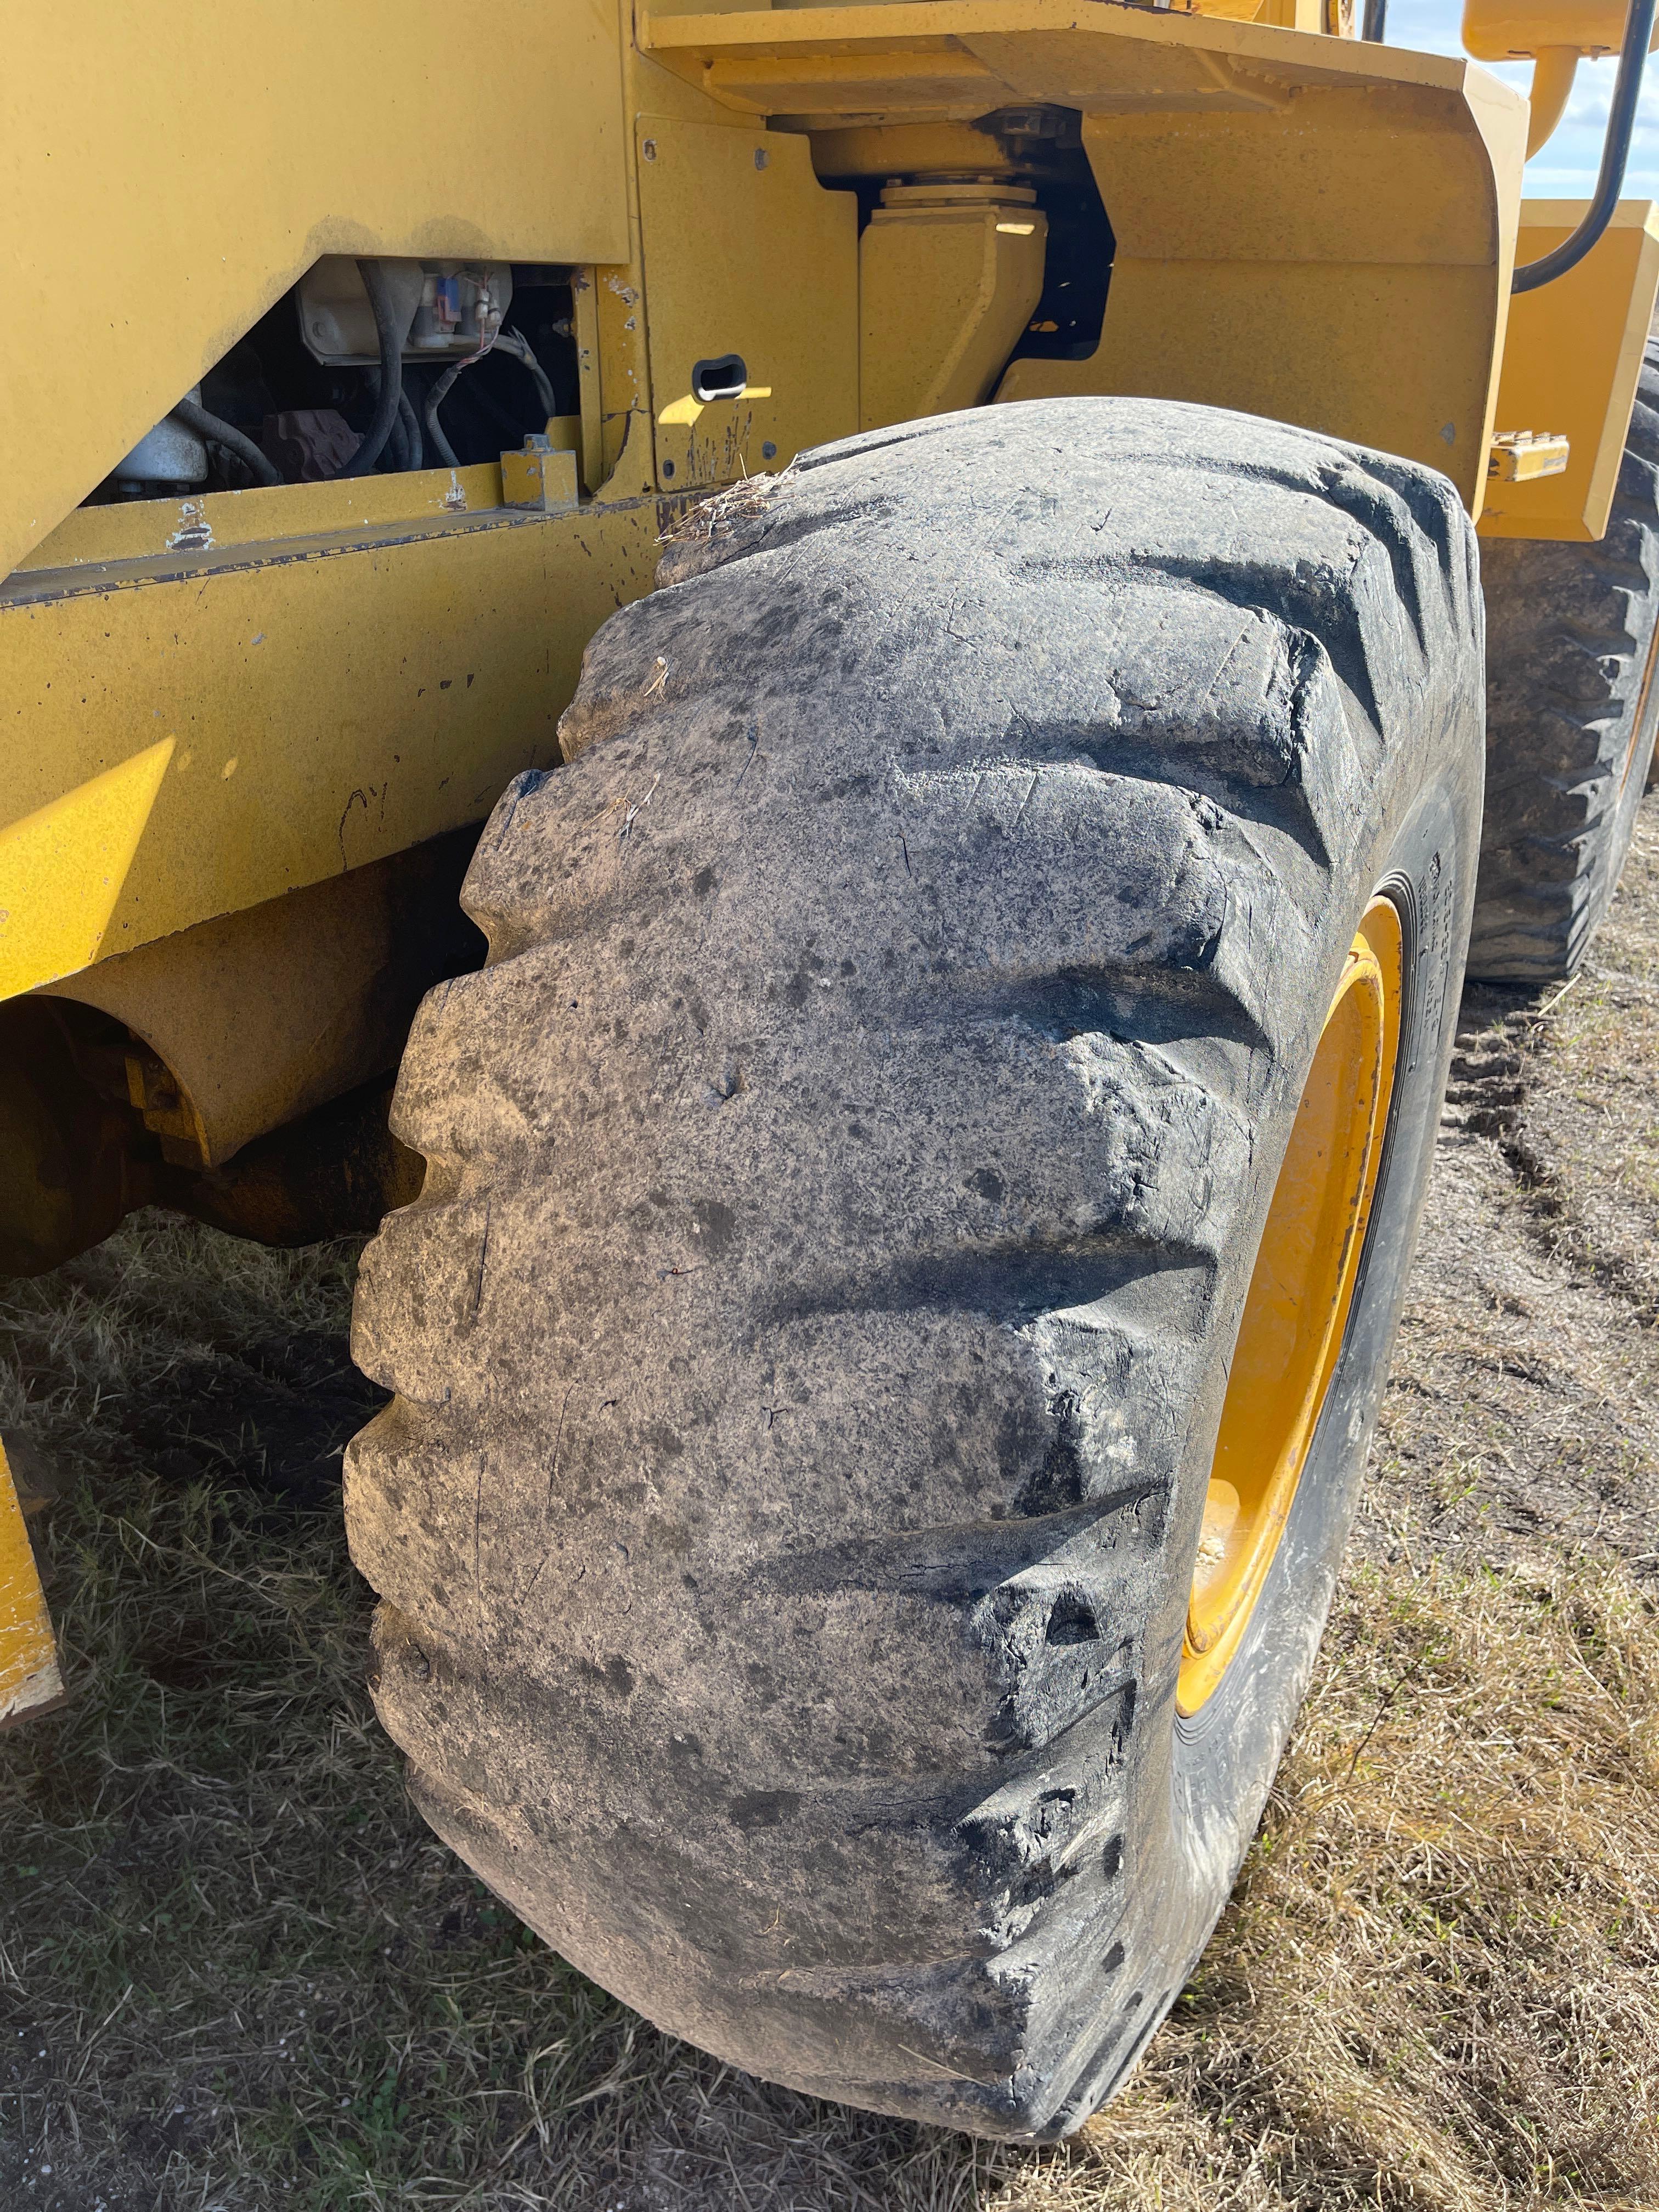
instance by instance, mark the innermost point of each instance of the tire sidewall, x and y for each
(1216, 1767)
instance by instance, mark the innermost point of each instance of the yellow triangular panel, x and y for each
(63, 867)
(28, 1657)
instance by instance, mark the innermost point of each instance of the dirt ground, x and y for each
(1524, 1399)
(235, 1972)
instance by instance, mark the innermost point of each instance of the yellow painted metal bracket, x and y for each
(1289, 265)
(1520, 456)
(1571, 360)
(949, 274)
(29, 1678)
(208, 522)
(1555, 35)
(539, 477)
(1514, 30)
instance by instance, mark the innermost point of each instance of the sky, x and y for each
(1564, 167)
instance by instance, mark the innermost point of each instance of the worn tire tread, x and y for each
(843, 1184)
(1571, 632)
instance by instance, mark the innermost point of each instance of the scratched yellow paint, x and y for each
(327, 702)
(743, 210)
(28, 1657)
(63, 868)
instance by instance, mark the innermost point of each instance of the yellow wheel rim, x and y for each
(1296, 1309)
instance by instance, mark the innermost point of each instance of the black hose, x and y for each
(511, 342)
(1375, 26)
(402, 445)
(395, 454)
(506, 419)
(196, 418)
(1615, 153)
(434, 399)
(391, 335)
(411, 429)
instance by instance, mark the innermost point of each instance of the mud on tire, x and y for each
(844, 1183)
(1570, 715)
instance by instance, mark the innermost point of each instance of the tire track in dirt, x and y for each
(1522, 1402)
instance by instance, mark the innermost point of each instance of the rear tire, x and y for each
(1571, 708)
(844, 1185)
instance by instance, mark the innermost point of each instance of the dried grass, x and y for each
(1588, 1135)
(236, 1972)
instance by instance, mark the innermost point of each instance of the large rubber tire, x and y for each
(844, 1184)
(1572, 709)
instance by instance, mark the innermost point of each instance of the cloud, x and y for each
(1565, 167)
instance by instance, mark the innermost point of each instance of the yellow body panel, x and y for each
(328, 698)
(1288, 14)
(167, 180)
(1296, 276)
(1571, 368)
(731, 218)
(1292, 213)
(28, 1657)
(899, 58)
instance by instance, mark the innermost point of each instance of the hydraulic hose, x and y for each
(411, 424)
(395, 453)
(1615, 153)
(435, 398)
(508, 342)
(403, 448)
(512, 342)
(196, 418)
(389, 333)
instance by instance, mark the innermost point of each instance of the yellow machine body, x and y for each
(222, 708)
(1571, 367)
(218, 702)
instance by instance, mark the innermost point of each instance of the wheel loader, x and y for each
(824, 698)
